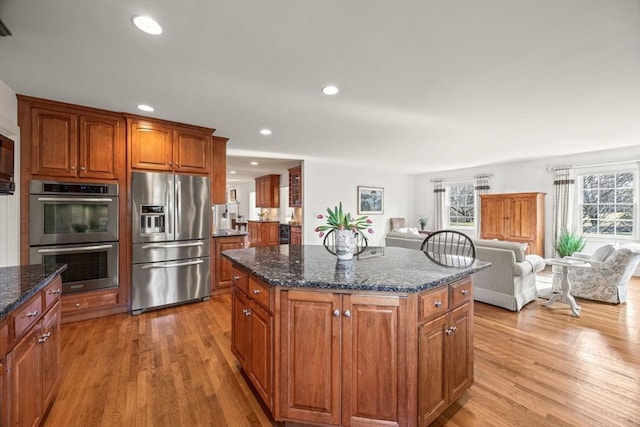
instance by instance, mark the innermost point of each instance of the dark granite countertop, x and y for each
(18, 284)
(387, 269)
(227, 232)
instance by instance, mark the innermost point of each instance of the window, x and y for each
(607, 203)
(461, 205)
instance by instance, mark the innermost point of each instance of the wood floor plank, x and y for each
(174, 367)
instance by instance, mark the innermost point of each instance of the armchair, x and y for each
(607, 279)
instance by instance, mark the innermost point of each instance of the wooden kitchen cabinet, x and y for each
(268, 191)
(351, 341)
(71, 142)
(33, 363)
(252, 326)
(218, 170)
(295, 187)
(221, 267)
(161, 146)
(263, 233)
(295, 235)
(514, 217)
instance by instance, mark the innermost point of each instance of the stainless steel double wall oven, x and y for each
(76, 224)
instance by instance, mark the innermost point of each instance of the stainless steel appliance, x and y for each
(7, 185)
(76, 224)
(170, 239)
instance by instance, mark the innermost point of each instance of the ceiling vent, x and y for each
(4, 31)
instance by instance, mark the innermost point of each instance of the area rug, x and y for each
(543, 286)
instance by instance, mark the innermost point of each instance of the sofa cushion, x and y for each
(518, 249)
(603, 252)
(398, 234)
(406, 230)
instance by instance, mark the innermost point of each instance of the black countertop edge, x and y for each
(19, 283)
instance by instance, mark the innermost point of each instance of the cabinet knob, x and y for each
(347, 313)
(56, 291)
(246, 312)
(72, 168)
(438, 304)
(236, 277)
(32, 313)
(77, 304)
(336, 313)
(464, 292)
(256, 291)
(81, 168)
(170, 163)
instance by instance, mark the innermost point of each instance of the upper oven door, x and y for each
(57, 220)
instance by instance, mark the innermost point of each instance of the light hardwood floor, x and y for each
(174, 367)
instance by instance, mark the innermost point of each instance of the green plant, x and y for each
(569, 242)
(337, 219)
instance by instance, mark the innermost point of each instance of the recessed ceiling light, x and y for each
(146, 24)
(232, 172)
(330, 90)
(254, 163)
(265, 131)
(145, 107)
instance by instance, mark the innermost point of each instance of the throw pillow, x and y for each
(603, 252)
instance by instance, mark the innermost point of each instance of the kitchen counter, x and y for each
(19, 283)
(386, 269)
(228, 233)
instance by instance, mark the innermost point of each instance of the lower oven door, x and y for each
(89, 267)
(163, 283)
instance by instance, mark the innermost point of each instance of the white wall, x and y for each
(526, 176)
(325, 185)
(10, 205)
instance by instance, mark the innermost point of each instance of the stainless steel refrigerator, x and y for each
(171, 223)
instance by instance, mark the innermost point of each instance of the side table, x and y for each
(564, 295)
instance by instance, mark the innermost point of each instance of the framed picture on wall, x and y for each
(370, 200)
(232, 195)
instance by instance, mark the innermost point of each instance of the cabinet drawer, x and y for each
(240, 279)
(51, 293)
(260, 293)
(461, 292)
(73, 303)
(26, 315)
(433, 303)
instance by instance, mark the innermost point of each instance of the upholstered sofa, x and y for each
(510, 282)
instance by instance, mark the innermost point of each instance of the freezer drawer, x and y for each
(165, 251)
(171, 282)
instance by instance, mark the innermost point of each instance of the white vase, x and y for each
(345, 244)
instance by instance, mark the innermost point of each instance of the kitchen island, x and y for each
(386, 339)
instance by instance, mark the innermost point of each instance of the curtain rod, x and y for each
(592, 165)
(460, 178)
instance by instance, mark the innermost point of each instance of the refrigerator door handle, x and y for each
(171, 245)
(179, 264)
(170, 207)
(178, 206)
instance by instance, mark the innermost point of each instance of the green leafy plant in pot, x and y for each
(569, 242)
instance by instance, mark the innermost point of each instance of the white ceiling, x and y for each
(424, 85)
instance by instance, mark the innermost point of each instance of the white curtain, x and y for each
(438, 205)
(563, 188)
(482, 187)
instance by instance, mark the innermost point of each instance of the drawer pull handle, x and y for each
(438, 304)
(451, 330)
(246, 312)
(464, 292)
(256, 291)
(56, 291)
(336, 313)
(32, 313)
(44, 337)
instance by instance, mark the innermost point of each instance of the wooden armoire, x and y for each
(514, 217)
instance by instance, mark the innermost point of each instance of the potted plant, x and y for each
(569, 242)
(346, 227)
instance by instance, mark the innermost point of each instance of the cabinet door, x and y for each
(460, 351)
(25, 376)
(260, 360)
(50, 348)
(370, 361)
(493, 218)
(432, 361)
(295, 236)
(272, 233)
(191, 151)
(295, 187)
(240, 328)
(4, 413)
(310, 357)
(54, 145)
(151, 146)
(223, 274)
(255, 233)
(521, 223)
(261, 193)
(101, 147)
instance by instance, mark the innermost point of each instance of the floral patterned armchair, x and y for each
(606, 280)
